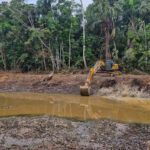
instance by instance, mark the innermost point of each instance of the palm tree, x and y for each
(104, 13)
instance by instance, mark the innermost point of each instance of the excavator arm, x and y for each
(85, 90)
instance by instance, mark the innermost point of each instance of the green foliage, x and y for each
(144, 61)
(23, 57)
(36, 37)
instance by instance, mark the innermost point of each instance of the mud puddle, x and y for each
(129, 110)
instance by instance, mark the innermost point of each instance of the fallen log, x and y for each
(49, 77)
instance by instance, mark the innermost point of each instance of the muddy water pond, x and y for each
(129, 110)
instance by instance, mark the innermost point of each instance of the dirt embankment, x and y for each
(103, 84)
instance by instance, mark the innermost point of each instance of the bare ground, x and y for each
(46, 133)
(103, 84)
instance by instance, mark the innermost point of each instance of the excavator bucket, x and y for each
(85, 90)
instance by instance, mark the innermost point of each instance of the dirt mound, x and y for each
(138, 83)
(141, 85)
(147, 89)
(132, 86)
(108, 83)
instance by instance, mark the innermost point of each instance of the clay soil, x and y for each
(46, 133)
(103, 84)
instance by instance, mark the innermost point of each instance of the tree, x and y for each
(83, 22)
(55, 35)
(103, 13)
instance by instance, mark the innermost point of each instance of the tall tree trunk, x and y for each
(133, 28)
(57, 59)
(60, 55)
(146, 43)
(84, 36)
(70, 45)
(44, 60)
(53, 62)
(52, 57)
(3, 58)
(50, 52)
(57, 56)
(107, 41)
(63, 55)
(115, 52)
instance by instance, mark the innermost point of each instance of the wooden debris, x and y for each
(50, 76)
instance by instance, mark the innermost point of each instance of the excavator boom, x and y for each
(85, 90)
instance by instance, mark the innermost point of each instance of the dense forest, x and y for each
(62, 34)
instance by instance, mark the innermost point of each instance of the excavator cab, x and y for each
(108, 64)
(111, 66)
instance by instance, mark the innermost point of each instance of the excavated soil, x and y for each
(53, 133)
(103, 84)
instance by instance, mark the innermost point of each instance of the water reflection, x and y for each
(70, 106)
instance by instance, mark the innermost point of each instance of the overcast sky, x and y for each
(85, 2)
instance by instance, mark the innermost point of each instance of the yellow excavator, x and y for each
(103, 65)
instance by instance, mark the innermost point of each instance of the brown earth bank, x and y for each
(103, 84)
(48, 133)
